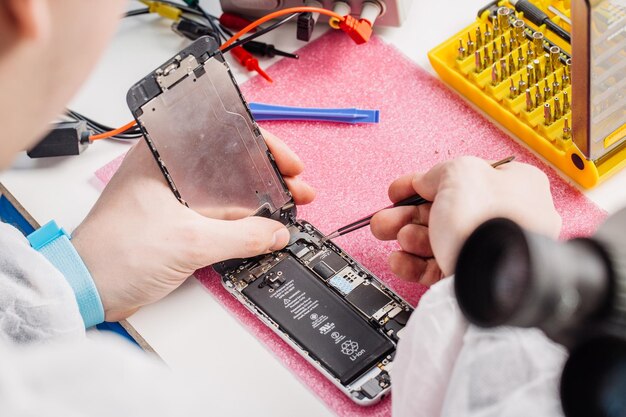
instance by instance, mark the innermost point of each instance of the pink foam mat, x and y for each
(351, 166)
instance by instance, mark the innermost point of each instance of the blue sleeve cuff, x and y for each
(54, 243)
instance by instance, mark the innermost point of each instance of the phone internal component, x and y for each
(346, 280)
(299, 249)
(323, 270)
(368, 299)
(371, 388)
(327, 263)
(318, 320)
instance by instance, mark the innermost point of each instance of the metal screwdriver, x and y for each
(538, 17)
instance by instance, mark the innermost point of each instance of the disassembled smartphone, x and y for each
(323, 303)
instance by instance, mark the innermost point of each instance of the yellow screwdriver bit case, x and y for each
(567, 102)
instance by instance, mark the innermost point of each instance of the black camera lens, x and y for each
(508, 276)
(493, 273)
(575, 291)
(594, 379)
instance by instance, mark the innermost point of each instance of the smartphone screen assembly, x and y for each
(333, 311)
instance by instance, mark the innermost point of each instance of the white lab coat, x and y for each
(445, 367)
(48, 367)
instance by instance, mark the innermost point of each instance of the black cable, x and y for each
(93, 125)
(226, 31)
(137, 12)
(260, 32)
(209, 19)
(220, 32)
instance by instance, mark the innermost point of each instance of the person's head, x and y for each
(47, 48)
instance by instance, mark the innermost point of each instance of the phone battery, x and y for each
(318, 320)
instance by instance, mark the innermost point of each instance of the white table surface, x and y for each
(189, 329)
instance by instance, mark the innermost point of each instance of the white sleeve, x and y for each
(425, 358)
(444, 367)
(36, 302)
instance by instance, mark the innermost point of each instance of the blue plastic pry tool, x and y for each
(262, 111)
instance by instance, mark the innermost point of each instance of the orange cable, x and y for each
(110, 133)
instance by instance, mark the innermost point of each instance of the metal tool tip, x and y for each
(330, 236)
(503, 161)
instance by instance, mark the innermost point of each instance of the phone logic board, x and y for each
(338, 315)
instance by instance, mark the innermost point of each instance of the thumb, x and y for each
(244, 238)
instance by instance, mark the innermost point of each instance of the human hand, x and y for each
(465, 192)
(140, 243)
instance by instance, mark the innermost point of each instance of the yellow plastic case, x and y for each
(530, 127)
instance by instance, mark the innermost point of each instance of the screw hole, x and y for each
(578, 161)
